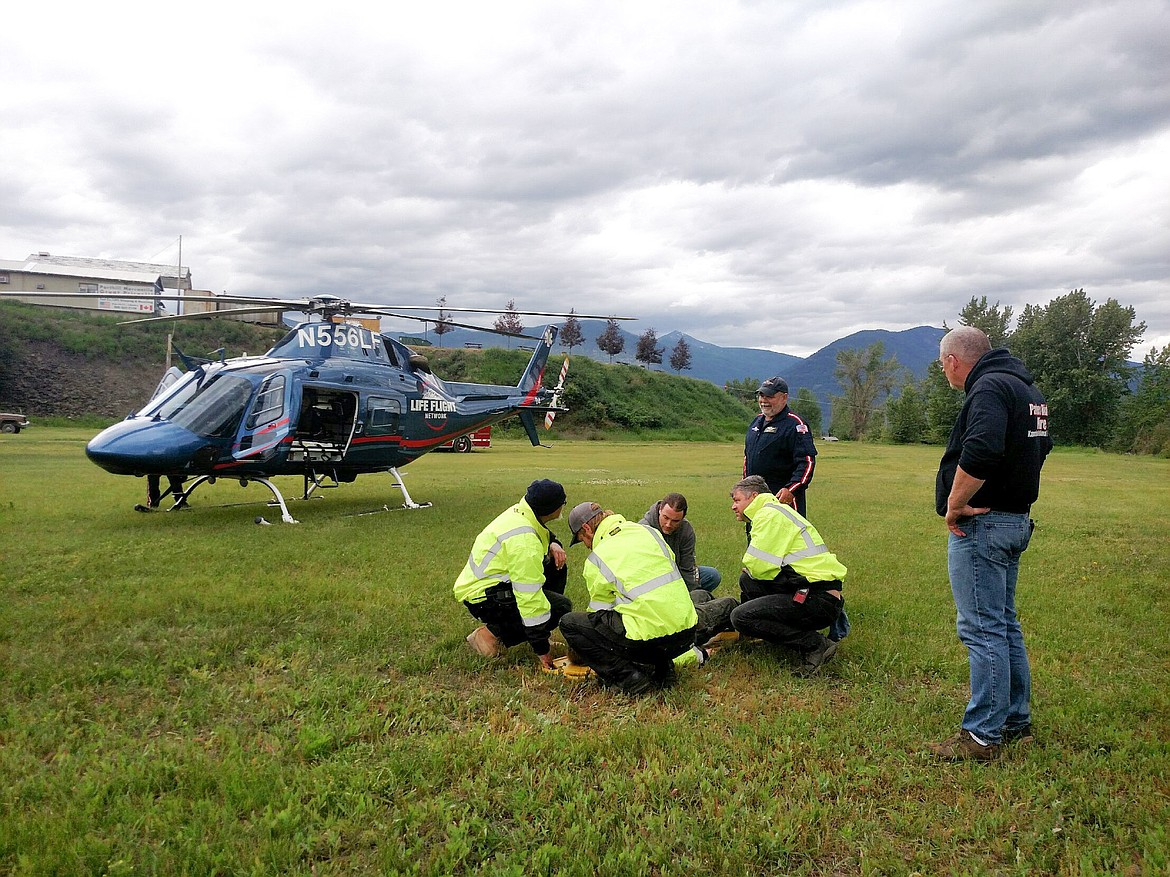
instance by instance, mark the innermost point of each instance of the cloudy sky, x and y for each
(763, 174)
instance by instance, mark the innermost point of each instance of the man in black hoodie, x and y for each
(987, 481)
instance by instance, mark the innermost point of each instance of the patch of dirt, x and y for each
(47, 380)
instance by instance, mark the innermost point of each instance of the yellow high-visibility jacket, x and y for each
(631, 569)
(782, 537)
(510, 549)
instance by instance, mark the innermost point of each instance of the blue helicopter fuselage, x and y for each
(330, 398)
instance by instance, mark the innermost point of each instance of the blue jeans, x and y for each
(709, 578)
(983, 567)
(840, 627)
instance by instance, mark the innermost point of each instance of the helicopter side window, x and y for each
(269, 405)
(172, 377)
(388, 351)
(217, 407)
(382, 416)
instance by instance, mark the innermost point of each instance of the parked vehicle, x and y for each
(481, 438)
(13, 423)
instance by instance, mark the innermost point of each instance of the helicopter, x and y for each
(330, 401)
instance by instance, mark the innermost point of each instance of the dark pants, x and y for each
(154, 494)
(633, 665)
(714, 614)
(499, 612)
(774, 615)
(840, 627)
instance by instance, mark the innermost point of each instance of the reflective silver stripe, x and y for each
(606, 572)
(806, 552)
(760, 554)
(539, 619)
(480, 569)
(662, 546)
(811, 549)
(628, 596)
(624, 596)
(527, 588)
(665, 579)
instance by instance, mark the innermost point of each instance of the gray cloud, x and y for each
(771, 175)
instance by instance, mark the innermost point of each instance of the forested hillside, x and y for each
(606, 398)
(60, 362)
(57, 362)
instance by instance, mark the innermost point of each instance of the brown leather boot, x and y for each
(484, 642)
(964, 747)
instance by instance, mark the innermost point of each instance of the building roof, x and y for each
(94, 273)
(40, 260)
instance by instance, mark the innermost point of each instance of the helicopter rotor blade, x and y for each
(203, 315)
(326, 304)
(428, 319)
(496, 311)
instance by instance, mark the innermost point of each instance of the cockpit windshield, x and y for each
(213, 409)
(175, 394)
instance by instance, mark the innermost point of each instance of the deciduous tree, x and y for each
(680, 355)
(808, 409)
(571, 334)
(906, 415)
(1143, 422)
(442, 326)
(509, 320)
(865, 377)
(1077, 353)
(743, 389)
(648, 351)
(611, 341)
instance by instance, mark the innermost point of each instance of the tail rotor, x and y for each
(558, 391)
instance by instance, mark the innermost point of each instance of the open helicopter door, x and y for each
(266, 422)
(324, 426)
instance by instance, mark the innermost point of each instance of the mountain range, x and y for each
(914, 349)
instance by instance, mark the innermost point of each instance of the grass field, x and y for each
(191, 693)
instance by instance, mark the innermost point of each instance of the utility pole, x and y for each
(179, 282)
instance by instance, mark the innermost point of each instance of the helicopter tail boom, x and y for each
(532, 380)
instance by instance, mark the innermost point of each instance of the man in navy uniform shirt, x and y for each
(779, 446)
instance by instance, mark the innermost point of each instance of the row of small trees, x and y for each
(1076, 350)
(611, 342)
(647, 352)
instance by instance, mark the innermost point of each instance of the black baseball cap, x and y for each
(772, 386)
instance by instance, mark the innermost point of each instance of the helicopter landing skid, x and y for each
(313, 480)
(181, 501)
(407, 502)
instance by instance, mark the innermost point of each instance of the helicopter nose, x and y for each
(143, 446)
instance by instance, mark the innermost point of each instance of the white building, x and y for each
(90, 279)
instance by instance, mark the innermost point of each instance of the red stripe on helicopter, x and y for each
(531, 395)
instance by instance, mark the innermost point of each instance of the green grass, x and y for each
(609, 401)
(100, 337)
(193, 694)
